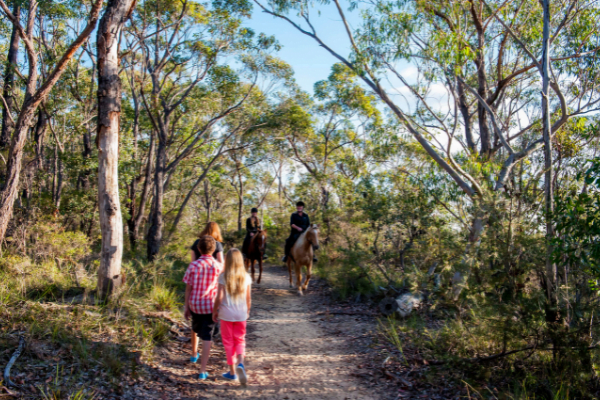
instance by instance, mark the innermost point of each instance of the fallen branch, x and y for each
(12, 360)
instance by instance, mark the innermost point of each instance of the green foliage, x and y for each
(577, 218)
(162, 298)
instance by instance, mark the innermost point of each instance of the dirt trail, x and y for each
(293, 352)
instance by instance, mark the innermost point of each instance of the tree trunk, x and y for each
(132, 188)
(155, 232)
(107, 140)
(136, 220)
(9, 78)
(466, 114)
(38, 137)
(459, 280)
(207, 200)
(86, 154)
(551, 272)
(240, 208)
(240, 199)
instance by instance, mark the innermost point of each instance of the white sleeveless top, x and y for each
(230, 310)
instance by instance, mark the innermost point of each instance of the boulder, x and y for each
(407, 302)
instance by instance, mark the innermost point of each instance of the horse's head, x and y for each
(312, 235)
(261, 240)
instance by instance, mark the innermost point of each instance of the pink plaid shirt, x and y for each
(203, 275)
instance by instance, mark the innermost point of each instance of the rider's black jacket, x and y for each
(300, 221)
(252, 225)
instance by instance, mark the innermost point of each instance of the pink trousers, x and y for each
(233, 335)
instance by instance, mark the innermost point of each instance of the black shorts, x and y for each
(204, 326)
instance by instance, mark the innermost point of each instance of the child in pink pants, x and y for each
(232, 307)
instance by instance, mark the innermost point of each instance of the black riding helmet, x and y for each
(300, 204)
(254, 210)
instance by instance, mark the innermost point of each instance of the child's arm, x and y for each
(249, 298)
(187, 313)
(220, 257)
(218, 301)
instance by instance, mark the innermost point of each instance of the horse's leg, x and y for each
(308, 274)
(260, 261)
(252, 266)
(247, 264)
(289, 264)
(299, 277)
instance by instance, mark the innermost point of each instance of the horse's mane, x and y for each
(259, 233)
(302, 236)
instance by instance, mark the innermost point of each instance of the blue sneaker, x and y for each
(195, 358)
(241, 373)
(229, 377)
(203, 376)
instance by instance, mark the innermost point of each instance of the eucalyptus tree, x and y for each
(466, 74)
(326, 142)
(37, 88)
(117, 12)
(184, 46)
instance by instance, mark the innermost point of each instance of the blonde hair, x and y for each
(212, 229)
(235, 274)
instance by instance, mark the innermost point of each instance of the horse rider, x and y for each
(252, 228)
(299, 223)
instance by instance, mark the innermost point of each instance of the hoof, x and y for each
(300, 292)
(258, 282)
(291, 286)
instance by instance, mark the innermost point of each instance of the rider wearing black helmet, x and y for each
(299, 223)
(252, 227)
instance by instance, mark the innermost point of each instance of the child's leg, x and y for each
(205, 334)
(239, 337)
(228, 343)
(194, 344)
(205, 355)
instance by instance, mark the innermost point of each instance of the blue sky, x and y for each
(310, 62)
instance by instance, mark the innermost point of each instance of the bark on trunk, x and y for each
(38, 137)
(132, 189)
(9, 78)
(136, 221)
(155, 232)
(86, 154)
(107, 139)
(207, 200)
(240, 210)
(551, 272)
(466, 114)
(459, 280)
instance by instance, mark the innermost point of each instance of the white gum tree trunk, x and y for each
(107, 140)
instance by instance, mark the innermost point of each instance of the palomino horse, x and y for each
(256, 252)
(302, 255)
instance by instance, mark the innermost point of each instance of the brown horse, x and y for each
(256, 252)
(302, 255)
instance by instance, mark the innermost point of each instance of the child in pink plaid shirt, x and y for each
(201, 279)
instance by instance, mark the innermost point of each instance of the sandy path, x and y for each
(292, 353)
